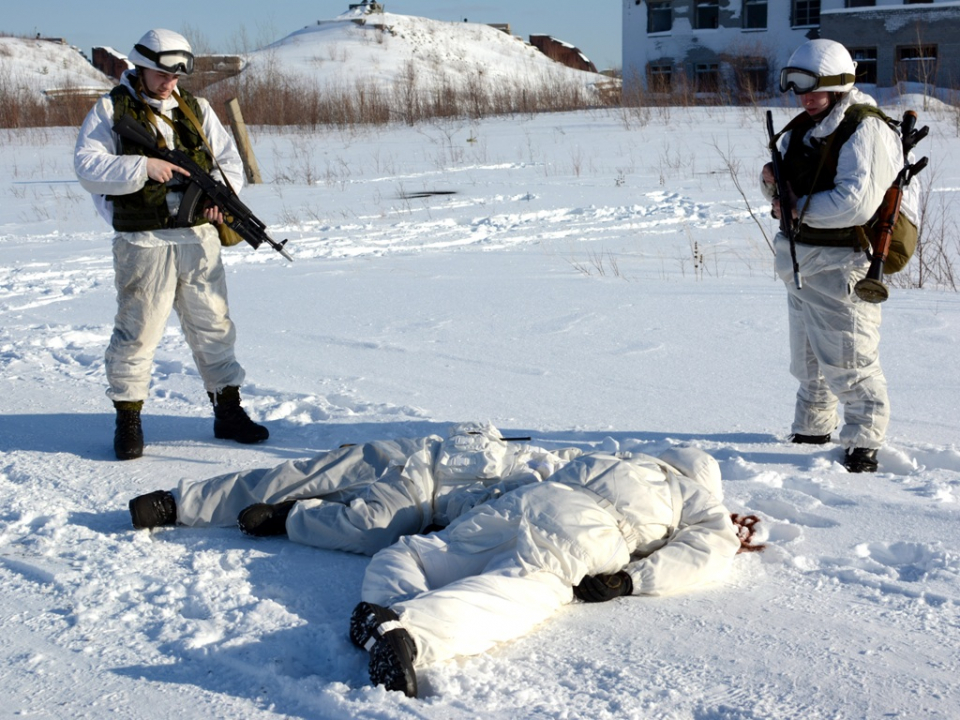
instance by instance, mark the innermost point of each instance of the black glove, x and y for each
(600, 588)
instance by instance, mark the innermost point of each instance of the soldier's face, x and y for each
(815, 103)
(158, 84)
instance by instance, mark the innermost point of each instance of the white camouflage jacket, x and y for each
(661, 520)
(868, 164)
(103, 172)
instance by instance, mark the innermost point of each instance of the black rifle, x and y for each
(783, 195)
(201, 187)
(871, 288)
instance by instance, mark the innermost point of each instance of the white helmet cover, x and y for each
(825, 58)
(169, 52)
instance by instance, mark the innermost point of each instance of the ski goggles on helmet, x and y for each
(179, 62)
(803, 81)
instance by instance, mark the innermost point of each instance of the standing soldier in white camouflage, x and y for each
(159, 263)
(841, 155)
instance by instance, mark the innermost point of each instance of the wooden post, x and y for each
(243, 142)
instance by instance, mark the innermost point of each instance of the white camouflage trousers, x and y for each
(834, 346)
(150, 281)
(354, 498)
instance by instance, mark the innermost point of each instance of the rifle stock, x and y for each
(202, 186)
(871, 288)
(783, 195)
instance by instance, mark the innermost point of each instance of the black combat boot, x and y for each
(231, 421)
(264, 519)
(153, 510)
(858, 460)
(392, 651)
(800, 439)
(128, 436)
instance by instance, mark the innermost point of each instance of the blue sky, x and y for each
(592, 25)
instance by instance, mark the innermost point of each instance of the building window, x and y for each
(707, 16)
(707, 77)
(659, 16)
(866, 59)
(806, 12)
(755, 14)
(859, 3)
(751, 75)
(917, 63)
(916, 2)
(659, 76)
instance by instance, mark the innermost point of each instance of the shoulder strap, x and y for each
(152, 116)
(856, 114)
(191, 116)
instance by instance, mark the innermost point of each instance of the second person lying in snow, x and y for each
(358, 498)
(599, 528)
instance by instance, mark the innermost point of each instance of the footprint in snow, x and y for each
(782, 510)
(907, 561)
(816, 490)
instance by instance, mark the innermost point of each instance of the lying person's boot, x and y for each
(128, 435)
(153, 510)
(392, 650)
(800, 439)
(231, 421)
(858, 460)
(264, 519)
(365, 619)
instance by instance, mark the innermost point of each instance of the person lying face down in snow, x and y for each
(358, 498)
(600, 527)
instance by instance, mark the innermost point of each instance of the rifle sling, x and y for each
(191, 116)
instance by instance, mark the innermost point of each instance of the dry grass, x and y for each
(22, 107)
(272, 98)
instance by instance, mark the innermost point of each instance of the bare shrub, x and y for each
(270, 97)
(733, 167)
(600, 263)
(22, 106)
(407, 94)
(938, 251)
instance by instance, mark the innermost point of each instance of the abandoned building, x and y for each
(739, 46)
(562, 52)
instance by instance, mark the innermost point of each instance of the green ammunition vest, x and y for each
(814, 169)
(147, 209)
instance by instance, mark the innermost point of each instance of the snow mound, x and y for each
(48, 67)
(388, 49)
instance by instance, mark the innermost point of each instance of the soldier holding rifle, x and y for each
(839, 157)
(161, 262)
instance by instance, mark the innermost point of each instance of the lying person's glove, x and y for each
(600, 588)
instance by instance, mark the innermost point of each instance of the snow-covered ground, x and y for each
(557, 292)
(554, 294)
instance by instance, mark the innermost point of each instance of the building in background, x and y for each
(736, 47)
(562, 52)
